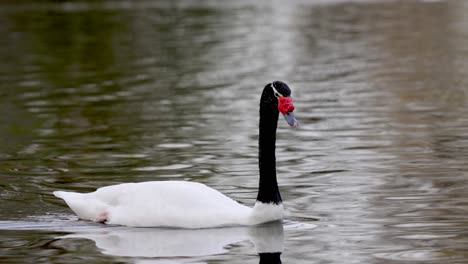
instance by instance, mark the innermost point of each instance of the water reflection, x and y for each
(268, 239)
(166, 243)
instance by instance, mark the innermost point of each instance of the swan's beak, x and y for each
(291, 119)
(286, 107)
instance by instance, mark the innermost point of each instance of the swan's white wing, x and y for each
(166, 203)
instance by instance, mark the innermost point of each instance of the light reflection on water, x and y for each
(98, 94)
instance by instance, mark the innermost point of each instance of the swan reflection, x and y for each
(156, 242)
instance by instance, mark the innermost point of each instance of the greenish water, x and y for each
(100, 93)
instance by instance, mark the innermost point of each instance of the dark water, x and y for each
(110, 92)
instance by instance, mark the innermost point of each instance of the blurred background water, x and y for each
(105, 92)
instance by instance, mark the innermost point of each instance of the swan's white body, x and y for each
(167, 204)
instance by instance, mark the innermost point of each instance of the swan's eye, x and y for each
(277, 95)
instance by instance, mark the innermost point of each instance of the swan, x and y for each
(183, 204)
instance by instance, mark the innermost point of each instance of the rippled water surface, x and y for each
(101, 93)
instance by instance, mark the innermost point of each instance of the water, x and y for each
(101, 93)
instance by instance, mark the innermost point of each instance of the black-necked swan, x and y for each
(189, 204)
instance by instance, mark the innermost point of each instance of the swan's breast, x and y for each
(266, 212)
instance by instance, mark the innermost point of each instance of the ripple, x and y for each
(129, 156)
(297, 225)
(169, 167)
(175, 145)
(413, 255)
(427, 236)
(424, 225)
(104, 163)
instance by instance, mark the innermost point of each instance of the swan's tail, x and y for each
(64, 195)
(83, 204)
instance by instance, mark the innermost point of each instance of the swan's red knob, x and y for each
(285, 105)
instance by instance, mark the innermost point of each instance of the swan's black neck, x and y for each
(270, 258)
(268, 191)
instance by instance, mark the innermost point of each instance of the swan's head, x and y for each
(285, 105)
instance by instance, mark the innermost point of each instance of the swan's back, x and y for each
(158, 203)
